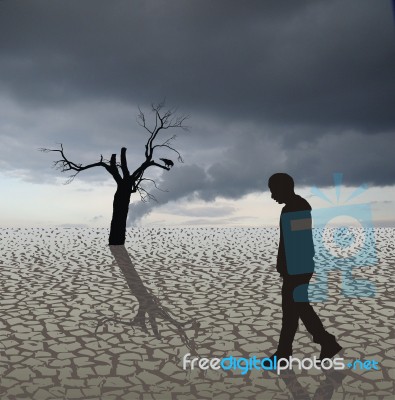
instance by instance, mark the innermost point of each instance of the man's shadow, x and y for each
(333, 379)
(149, 305)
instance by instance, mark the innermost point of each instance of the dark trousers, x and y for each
(295, 305)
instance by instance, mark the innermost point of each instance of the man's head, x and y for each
(281, 186)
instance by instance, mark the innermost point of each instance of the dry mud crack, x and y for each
(56, 284)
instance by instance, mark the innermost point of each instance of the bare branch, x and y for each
(124, 165)
(65, 165)
(163, 120)
(70, 179)
(169, 140)
(145, 195)
(114, 168)
(159, 165)
(157, 107)
(141, 121)
(180, 159)
(154, 183)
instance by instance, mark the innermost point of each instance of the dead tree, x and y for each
(128, 183)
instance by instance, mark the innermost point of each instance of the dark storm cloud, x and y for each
(183, 182)
(246, 166)
(325, 63)
(301, 86)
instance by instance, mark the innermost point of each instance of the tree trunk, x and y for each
(120, 211)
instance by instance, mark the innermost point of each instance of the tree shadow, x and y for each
(149, 305)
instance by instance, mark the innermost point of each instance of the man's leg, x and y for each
(313, 323)
(290, 318)
(305, 310)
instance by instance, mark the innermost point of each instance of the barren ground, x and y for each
(57, 284)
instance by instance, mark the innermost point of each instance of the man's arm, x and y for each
(281, 265)
(298, 242)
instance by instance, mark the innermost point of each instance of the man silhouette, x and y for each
(295, 265)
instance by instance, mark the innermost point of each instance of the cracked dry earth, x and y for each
(56, 284)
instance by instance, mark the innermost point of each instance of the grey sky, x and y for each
(306, 87)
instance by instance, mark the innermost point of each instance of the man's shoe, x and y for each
(329, 348)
